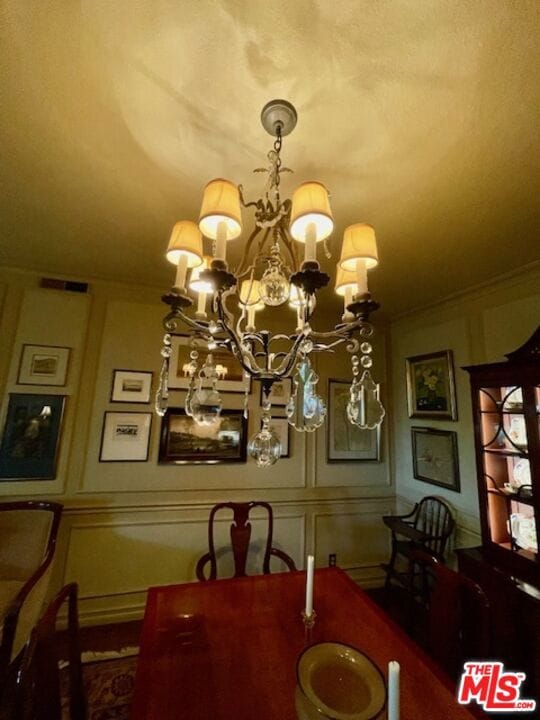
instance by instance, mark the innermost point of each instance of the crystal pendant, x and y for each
(265, 446)
(274, 287)
(364, 408)
(306, 410)
(204, 404)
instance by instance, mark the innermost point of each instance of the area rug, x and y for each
(109, 679)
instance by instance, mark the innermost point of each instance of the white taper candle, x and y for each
(201, 305)
(393, 690)
(309, 585)
(251, 317)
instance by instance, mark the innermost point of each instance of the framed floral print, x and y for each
(430, 386)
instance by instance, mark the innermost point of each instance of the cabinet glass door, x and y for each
(507, 469)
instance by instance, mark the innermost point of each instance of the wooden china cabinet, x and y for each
(506, 411)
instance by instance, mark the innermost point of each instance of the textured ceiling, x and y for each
(420, 117)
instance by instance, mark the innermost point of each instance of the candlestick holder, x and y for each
(308, 620)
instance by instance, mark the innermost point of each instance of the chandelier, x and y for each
(269, 274)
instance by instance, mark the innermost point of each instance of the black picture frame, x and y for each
(431, 387)
(31, 437)
(122, 393)
(435, 457)
(201, 448)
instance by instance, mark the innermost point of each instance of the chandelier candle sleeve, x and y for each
(309, 586)
(393, 690)
(361, 277)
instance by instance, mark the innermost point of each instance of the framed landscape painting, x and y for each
(435, 457)
(430, 386)
(43, 365)
(131, 386)
(346, 442)
(231, 373)
(31, 435)
(183, 441)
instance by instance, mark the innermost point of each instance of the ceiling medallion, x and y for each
(269, 274)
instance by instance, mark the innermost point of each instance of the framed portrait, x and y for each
(435, 457)
(43, 365)
(431, 390)
(183, 441)
(280, 394)
(229, 369)
(281, 427)
(30, 440)
(125, 437)
(344, 441)
(131, 386)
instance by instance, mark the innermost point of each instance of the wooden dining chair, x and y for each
(38, 694)
(240, 532)
(428, 526)
(28, 531)
(458, 612)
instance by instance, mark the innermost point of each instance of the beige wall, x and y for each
(130, 525)
(479, 326)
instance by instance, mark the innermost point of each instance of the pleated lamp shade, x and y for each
(221, 203)
(359, 243)
(345, 279)
(195, 282)
(311, 204)
(186, 239)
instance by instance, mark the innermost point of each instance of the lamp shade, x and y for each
(359, 243)
(250, 294)
(344, 279)
(311, 204)
(195, 282)
(186, 239)
(221, 203)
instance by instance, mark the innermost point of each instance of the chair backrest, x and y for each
(459, 614)
(434, 518)
(38, 683)
(240, 533)
(28, 533)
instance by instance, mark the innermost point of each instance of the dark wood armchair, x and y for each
(38, 683)
(428, 527)
(240, 532)
(28, 532)
(459, 613)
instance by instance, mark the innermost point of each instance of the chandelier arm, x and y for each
(241, 269)
(170, 322)
(288, 242)
(250, 367)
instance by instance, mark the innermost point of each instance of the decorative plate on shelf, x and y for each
(521, 474)
(524, 531)
(515, 398)
(518, 432)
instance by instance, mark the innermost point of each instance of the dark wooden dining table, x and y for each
(227, 649)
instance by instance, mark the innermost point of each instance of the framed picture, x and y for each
(280, 394)
(43, 365)
(183, 441)
(131, 386)
(281, 427)
(231, 372)
(345, 442)
(435, 457)
(430, 386)
(31, 435)
(125, 437)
